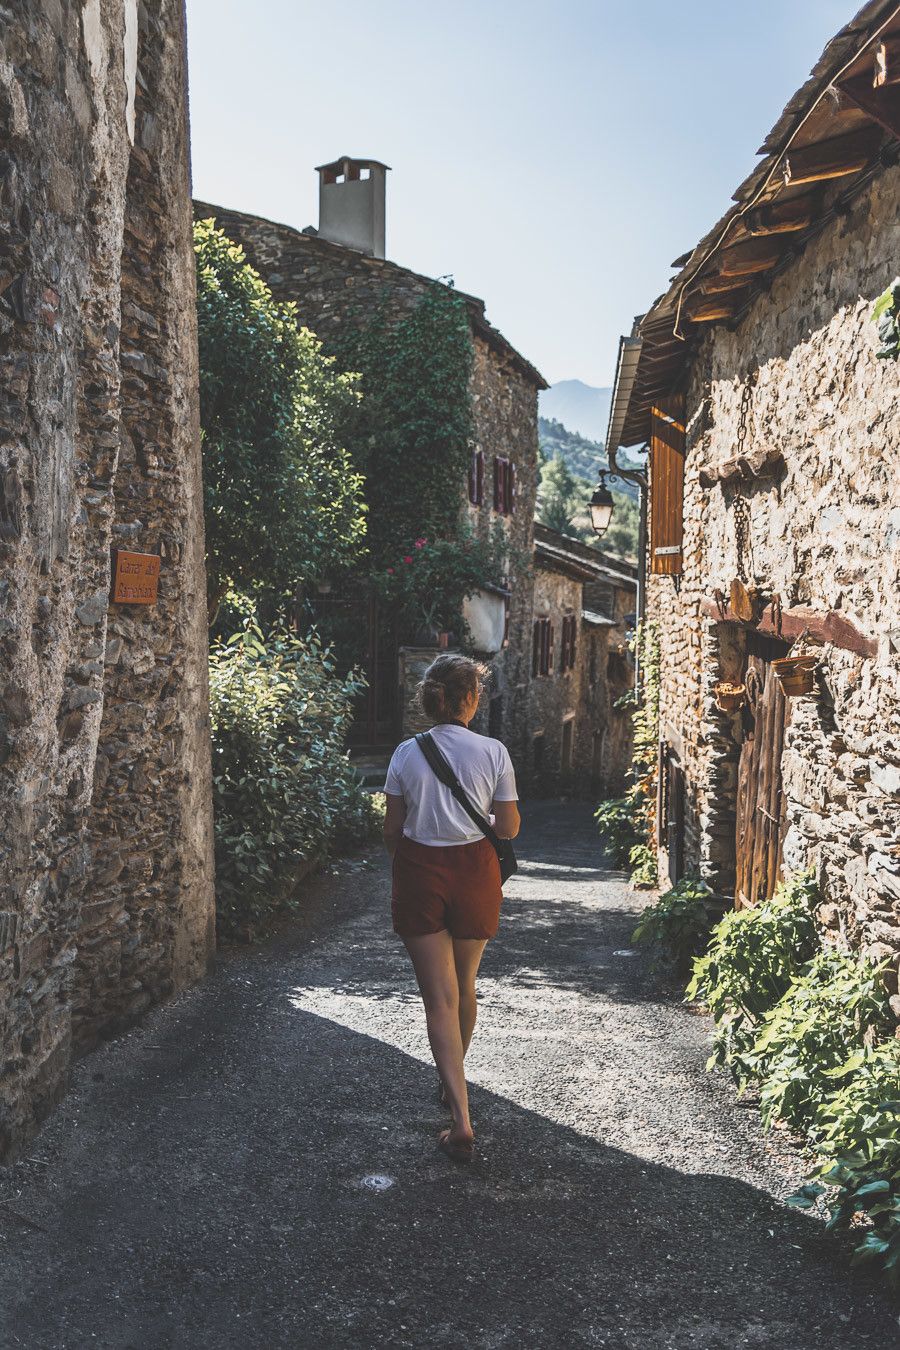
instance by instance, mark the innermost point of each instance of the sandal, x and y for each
(459, 1152)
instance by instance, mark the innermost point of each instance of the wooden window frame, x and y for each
(476, 478)
(504, 485)
(542, 648)
(667, 451)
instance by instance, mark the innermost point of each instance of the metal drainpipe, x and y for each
(641, 575)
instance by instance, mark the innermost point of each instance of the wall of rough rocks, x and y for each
(68, 96)
(826, 535)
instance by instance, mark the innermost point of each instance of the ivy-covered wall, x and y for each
(442, 382)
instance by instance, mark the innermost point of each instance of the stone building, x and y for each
(338, 275)
(106, 899)
(774, 507)
(578, 741)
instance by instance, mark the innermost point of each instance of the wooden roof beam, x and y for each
(834, 158)
(881, 104)
(745, 259)
(787, 218)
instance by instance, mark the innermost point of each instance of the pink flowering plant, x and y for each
(430, 578)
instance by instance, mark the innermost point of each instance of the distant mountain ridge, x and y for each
(580, 407)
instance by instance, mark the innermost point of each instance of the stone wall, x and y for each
(98, 445)
(582, 695)
(824, 535)
(333, 286)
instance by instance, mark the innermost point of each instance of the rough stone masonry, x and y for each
(106, 901)
(825, 536)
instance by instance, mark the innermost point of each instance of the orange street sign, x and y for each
(135, 578)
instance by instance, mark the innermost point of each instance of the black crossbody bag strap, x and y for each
(443, 771)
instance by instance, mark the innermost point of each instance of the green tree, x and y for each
(283, 501)
(622, 536)
(561, 497)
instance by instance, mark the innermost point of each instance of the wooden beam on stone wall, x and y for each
(758, 255)
(882, 105)
(830, 159)
(831, 626)
(787, 218)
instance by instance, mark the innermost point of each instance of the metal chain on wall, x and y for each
(741, 507)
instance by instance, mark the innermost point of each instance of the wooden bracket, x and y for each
(831, 627)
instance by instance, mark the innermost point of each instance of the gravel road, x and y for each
(255, 1166)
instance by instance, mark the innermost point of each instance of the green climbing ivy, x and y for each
(886, 315)
(628, 823)
(411, 434)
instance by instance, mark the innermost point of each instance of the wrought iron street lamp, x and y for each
(602, 506)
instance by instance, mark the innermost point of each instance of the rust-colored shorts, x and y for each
(455, 886)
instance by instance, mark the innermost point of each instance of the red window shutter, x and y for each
(667, 486)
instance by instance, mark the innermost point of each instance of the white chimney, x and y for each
(351, 203)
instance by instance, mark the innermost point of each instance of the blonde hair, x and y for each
(449, 682)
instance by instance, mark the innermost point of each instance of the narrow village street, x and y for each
(254, 1166)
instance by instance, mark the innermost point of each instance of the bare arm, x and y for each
(394, 817)
(506, 819)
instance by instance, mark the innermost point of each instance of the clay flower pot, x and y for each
(796, 674)
(729, 697)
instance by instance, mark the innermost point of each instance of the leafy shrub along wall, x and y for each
(628, 824)
(284, 789)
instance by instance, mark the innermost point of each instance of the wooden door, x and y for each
(760, 798)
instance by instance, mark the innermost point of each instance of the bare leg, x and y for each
(467, 953)
(432, 958)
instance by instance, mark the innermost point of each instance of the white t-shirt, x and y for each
(433, 817)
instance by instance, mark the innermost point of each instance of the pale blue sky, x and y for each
(554, 157)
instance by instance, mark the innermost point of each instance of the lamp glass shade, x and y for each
(602, 506)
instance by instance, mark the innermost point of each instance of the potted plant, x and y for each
(796, 672)
(429, 582)
(729, 697)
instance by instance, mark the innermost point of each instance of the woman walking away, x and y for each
(446, 888)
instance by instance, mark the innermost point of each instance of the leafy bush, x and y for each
(858, 1132)
(642, 861)
(886, 315)
(620, 821)
(427, 583)
(753, 958)
(836, 1004)
(680, 921)
(282, 500)
(284, 790)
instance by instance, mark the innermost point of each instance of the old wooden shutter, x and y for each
(536, 648)
(498, 477)
(473, 478)
(667, 486)
(511, 504)
(479, 477)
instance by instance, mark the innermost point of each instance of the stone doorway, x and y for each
(761, 823)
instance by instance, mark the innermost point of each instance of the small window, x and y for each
(476, 478)
(568, 739)
(504, 485)
(542, 647)
(569, 640)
